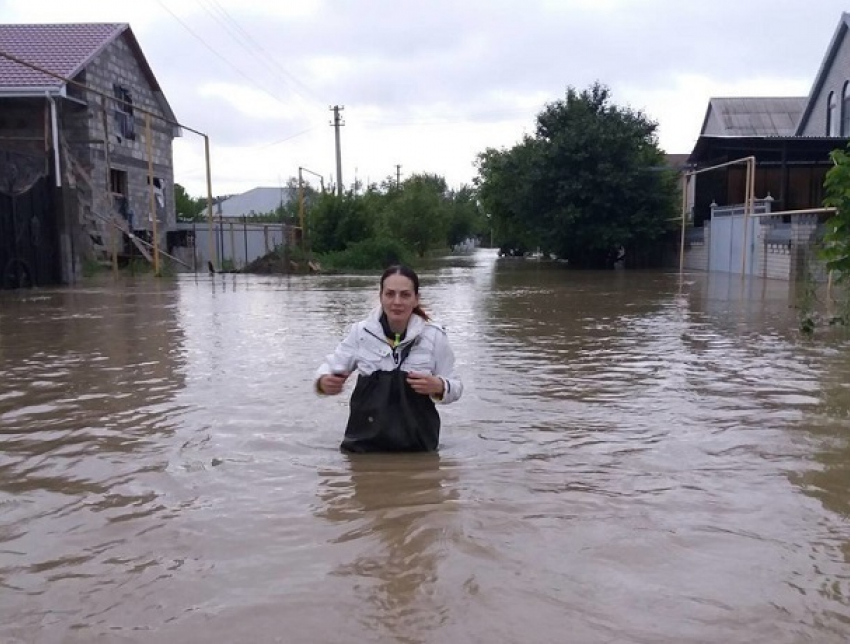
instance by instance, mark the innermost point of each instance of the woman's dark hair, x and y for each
(409, 273)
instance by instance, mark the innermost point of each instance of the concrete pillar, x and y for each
(802, 253)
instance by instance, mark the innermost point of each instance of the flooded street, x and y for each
(633, 461)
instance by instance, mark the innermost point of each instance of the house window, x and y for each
(845, 110)
(118, 182)
(832, 117)
(118, 188)
(159, 196)
(125, 122)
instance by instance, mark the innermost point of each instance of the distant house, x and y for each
(79, 158)
(791, 138)
(254, 202)
(790, 168)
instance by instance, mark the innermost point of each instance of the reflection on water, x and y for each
(398, 511)
(636, 459)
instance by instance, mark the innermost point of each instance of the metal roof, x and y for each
(812, 150)
(753, 116)
(257, 201)
(63, 49)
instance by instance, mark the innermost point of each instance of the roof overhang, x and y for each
(793, 149)
(33, 92)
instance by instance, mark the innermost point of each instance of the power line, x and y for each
(218, 55)
(263, 146)
(269, 145)
(264, 54)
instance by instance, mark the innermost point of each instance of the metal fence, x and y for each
(235, 243)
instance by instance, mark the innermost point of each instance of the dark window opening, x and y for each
(117, 182)
(158, 191)
(118, 188)
(125, 122)
(832, 119)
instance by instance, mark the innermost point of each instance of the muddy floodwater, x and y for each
(636, 459)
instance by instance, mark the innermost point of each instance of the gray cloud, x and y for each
(481, 61)
(477, 57)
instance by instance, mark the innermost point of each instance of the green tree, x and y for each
(188, 208)
(507, 192)
(590, 180)
(417, 214)
(465, 219)
(335, 223)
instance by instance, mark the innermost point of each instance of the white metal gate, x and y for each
(726, 249)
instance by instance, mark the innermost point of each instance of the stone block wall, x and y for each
(22, 123)
(117, 65)
(696, 255)
(804, 264)
(776, 262)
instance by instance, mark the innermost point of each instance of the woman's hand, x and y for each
(332, 384)
(426, 385)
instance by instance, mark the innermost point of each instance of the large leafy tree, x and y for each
(417, 214)
(591, 179)
(335, 223)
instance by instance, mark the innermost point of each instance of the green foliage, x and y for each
(362, 230)
(335, 223)
(465, 219)
(836, 249)
(418, 215)
(368, 254)
(590, 180)
(385, 223)
(188, 208)
(138, 266)
(90, 267)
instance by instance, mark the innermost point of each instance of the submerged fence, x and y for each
(235, 243)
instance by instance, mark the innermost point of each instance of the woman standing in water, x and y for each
(404, 363)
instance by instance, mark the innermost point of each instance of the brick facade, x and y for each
(26, 127)
(22, 125)
(117, 66)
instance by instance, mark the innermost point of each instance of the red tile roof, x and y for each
(63, 49)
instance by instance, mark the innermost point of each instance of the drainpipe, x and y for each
(54, 126)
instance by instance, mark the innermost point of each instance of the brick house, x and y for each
(75, 162)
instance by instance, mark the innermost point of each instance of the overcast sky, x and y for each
(429, 85)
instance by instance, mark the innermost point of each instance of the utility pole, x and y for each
(398, 175)
(337, 123)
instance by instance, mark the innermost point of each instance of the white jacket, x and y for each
(366, 350)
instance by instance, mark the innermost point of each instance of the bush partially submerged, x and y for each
(369, 254)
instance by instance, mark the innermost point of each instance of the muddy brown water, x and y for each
(635, 459)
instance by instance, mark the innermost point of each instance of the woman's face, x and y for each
(398, 300)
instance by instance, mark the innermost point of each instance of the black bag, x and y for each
(388, 416)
